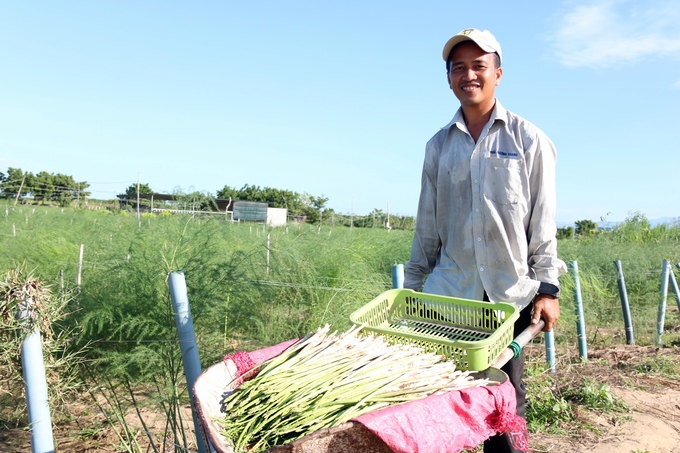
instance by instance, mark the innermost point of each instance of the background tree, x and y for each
(295, 203)
(565, 233)
(196, 201)
(227, 192)
(131, 192)
(586, 227)
(59, 187)
(44, 187)
(314, 207)
(12, 182)
(129, 197)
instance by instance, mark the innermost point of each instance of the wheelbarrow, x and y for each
(219, 380)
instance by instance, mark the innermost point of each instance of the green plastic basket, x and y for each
(469, 332)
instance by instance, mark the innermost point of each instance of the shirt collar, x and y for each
(498, 113)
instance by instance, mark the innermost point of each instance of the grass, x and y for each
(557, 406)
(248, 287)
(251, 286)
(641, 249)
(660, 366)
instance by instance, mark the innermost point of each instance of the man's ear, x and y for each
(499, 75)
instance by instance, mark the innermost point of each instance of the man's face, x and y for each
(473, 75)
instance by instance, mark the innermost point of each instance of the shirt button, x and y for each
(475, 181)
(481, 269)
(477, 210)
(479, 239)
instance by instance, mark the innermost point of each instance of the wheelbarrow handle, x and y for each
(518, 343)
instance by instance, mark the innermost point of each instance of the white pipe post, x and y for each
(398, 276)
(80, 265)
(674, 286)
(661, 317)
(580, 317)
(35, 381)
(623, 294)
(550, 350)
(187, 342)
(268, 253)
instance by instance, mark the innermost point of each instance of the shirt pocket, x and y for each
(502, 180)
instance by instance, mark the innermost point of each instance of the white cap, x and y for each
(483, 38)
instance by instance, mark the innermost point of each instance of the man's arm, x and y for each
(426, 240)
(543, 260)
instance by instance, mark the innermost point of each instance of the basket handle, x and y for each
(518, 343)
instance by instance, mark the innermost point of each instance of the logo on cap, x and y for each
(466, 32)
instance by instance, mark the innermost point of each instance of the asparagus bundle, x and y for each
(327, 379)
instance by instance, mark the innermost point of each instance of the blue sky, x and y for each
(335, 98)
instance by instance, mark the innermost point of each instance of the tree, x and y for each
(586, 227)
(565, 233)
(12, 182)
(318, 204)
(65, 189)
(295, 203)
(129, 197)
(196, 201)
(43, 186)
(227, 192)
(56, 187)
(131, 192)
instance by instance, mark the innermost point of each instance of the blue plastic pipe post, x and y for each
(187, 342)
(674, 285)
(623, 294)
(580, 321)
(550, 349)
(35, 382)
(661, 318)
(398, 276)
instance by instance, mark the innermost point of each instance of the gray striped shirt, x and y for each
(485, 218)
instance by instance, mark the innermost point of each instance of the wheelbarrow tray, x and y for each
(217, 381)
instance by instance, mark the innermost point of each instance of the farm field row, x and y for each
(249, 287)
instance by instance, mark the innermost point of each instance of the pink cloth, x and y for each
(451, 422)
(245, 361)
(447, 423)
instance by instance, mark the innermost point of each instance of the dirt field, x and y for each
(653, 423)
(651, 426)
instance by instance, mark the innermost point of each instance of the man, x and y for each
(485, 225)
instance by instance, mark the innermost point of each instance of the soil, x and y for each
(652, 424)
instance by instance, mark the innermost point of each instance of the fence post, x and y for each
(268, 238)
(187, 342)
(580, 321)
(623, 294)
(550, 349)
(35, 382)
(662, 303)
(674, 285)
(398, 276)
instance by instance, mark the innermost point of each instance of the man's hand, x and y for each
(548, 308)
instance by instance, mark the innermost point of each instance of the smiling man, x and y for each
(485, 226)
